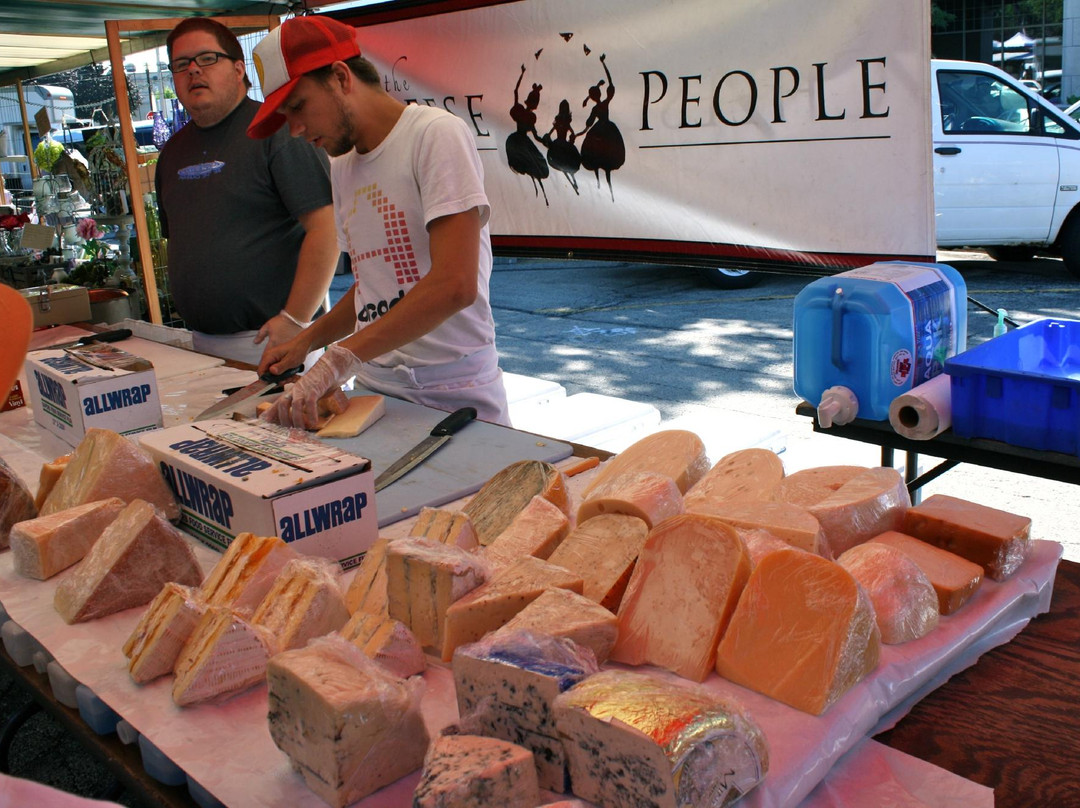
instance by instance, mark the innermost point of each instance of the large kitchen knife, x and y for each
(425, 448)
(265, 382)
(105, 336)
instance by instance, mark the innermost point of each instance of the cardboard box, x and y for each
(232, 477)
(92, 385)
(58, 303)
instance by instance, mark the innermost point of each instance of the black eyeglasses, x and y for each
(204, 59)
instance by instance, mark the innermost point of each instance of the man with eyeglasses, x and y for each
(250, 224)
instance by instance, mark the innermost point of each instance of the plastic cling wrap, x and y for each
(305, 601)
(905, 603)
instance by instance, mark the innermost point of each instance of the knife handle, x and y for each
(280, 377)
(454, 421)
(106, 336)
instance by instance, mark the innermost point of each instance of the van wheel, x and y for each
(1069, 244)
(1011, 252)
(728, 278)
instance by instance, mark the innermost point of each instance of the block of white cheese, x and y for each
(509, 490)
(905, 603)
(158, 638)
(562, 613)
(537, 530)
(603, 551)
(869, 503)
(245, 572)
(104, 465)
(360, 413)
(792, 523)
(506, 688)
(305, 601)
(636, 739)
(348, 727)
(747, 474)
(648, 495)
(675, 453)
(955, 579)
(367, 589)
(46, 545)
(810, 486)
(387, 641)
(47, 477)
(467, 771)
(423, 578)
(681, 595)
(224, 655)
(136, 555)
(803, 632)
(16, 502)
(445, 526)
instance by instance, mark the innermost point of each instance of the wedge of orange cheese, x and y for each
(509, 490)
(46, 545)
(747, 474)
(759, 543)
(869, 503)
(602, 551)
(562, 613)
(387, 641)
(810, 486)
(648, 495)
(536, 530)
(245, 572)
(905, 603)
(47, 477)
(305, 601)
(955, 579)
(675, 453)
(792, 523)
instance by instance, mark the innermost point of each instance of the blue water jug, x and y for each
(865, 336)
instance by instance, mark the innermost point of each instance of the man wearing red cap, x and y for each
(411, 213)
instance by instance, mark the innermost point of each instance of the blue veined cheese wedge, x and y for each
(465, 771)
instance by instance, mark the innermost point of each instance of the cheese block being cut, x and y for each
(905, 604)
(562, 613)
(506, 688)
(602, 551)
(245, 572)
(423, 578)
(50, 473)
(748, 474)
(509, 490)
(803, 632)
(759, 543)
(361, 412)
(155, 644)
(792, 523)
(648, 495)
(466, 771)
(869, 503)
(224, 655)
(46, 545)
(127, 566)
(16, 503)
(684, 588)
(675, 453)
(955, 579)
(492, 604)
(104, 465)
(636, 739)
(810, 486)
(305, 601)
(367, 589)
(536, 530)
(446, 527)
(387, 641)
(997, 540)
(348, 727)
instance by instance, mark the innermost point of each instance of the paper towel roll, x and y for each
(924, 411)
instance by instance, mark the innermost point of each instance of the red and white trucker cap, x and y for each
(294, 48)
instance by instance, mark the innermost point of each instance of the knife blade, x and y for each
(105, 336)
(442, 433)
(265, 382)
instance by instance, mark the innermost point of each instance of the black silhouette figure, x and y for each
(603, 147)
(521, 152)
(562, 154)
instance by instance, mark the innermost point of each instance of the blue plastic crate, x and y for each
(1022, 388)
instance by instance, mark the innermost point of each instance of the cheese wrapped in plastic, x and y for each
(562, 613)
(509, 490)
(367, 589)
(905, 603)
(747, 474)
(636, 739)
(955, 579)
(648, 495)
(869, 503)
(16, 502)
(675, 453)
(759, 543)
(245, 572)
(47, 477)
(809, 486)
(467, 771)
(536, 531)
(305, 601)
(603, 552)
(792, 523)
(387, 641)
(47, 545)
(158, 638)
(224, 655)
(445, 527)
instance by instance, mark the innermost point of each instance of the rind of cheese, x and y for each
(536, 531)
(905, 603)
(46, 545)
(444, 526)
(367, 589)
(492, 604)
(759, 543)
(387, 641)
(603, 551)
(809, 486)
(465, 771)
(47, 477)
(348, 727)
(634, 739)
(509, 490)
(423, 578)
(245, 572)
(562, 613)
(361, 412)
(795, 525)
(803, 632)
(305, 601)
(104, 465)
(681, 595)
(136, 555)
(675, 453)
(224, 655)
(158, 638)
(955, 579)
(869, 503)
(16, 503)
(648, 495)
(747, 474)
(997, 540)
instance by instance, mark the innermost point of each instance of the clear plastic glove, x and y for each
(277, 331)
(298, 405)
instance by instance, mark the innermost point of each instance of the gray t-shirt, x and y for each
(229, 206)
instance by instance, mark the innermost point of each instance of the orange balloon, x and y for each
(16, 323)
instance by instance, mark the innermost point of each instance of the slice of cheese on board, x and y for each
(748, 474)
(810, 486)
(792, 523)
(636, 739)
(423, 578)
(224, 655)
(803, 632)
(997, 540)
(466, 771)
(158, 638)
(348, 727)
(245, 572)
(509, 490)
(537, 530)
(46, 545)
(562, 613)
(387, 641)
(869, 503)
(135, 556)
(955, 579)
(492, 604)
(16, 502)
(648, 495)
(305, 601)
(602, 551)
(905, 603)
(49, 474)
(367, 589)
(360, 413)
(104, 465)
(675, 453)
(446, 527)
(681, 595)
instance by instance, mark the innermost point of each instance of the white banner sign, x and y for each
(709, 131)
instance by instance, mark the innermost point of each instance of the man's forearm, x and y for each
(315, 265)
